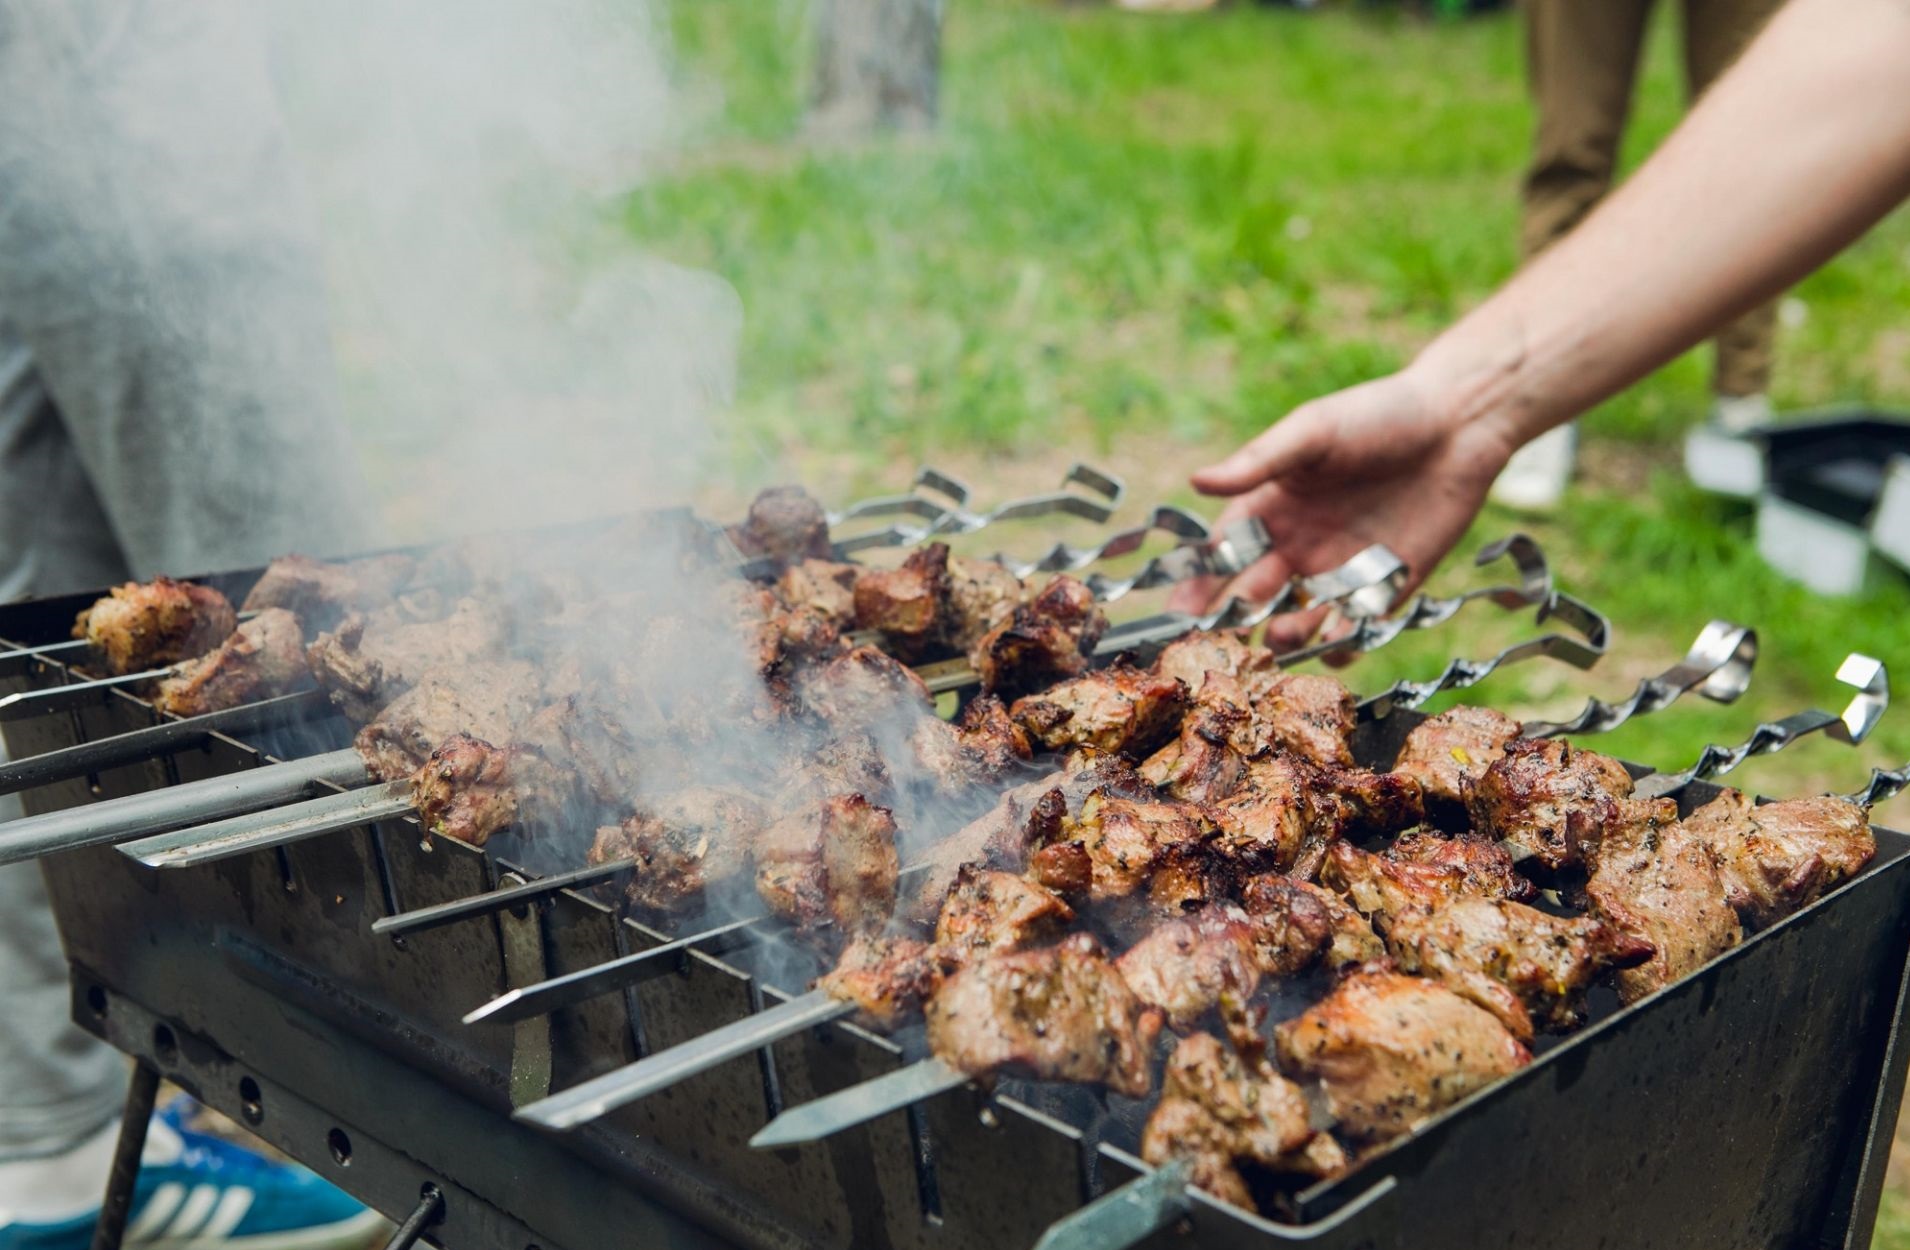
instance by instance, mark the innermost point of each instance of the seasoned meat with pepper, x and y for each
(1194, 657)
(1059, 1013)
(1550, 800)
(1483, 865)
(863, 686)
(1301, 923)
(785, 525)
(1517, 962)
(907, 605)
(1287, 811)
(1382, 888)
(145, 625)
(1779, 857)
(1204, 764)
(830, 868)
(1129, 840)
(686, 845)
(368, 661)
(1307, 715)
(471, 790)
(1448, 752)
(983, 746)
(849, 763)
(982, 595)
(1390, 1050)
(488, 700)
(826, 587)
(1120, 710)
(1045, 640)
(1192, 965)
(1654, 878)
(1228, 1117)
(262, 658)
(321, 592)
(988, 909)
(584, 736)
(887, 977)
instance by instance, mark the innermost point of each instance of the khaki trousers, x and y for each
(1582, 56)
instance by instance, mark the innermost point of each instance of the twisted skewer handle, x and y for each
(1718, 666)
(940, 502)
(1583, 651)
(1883, 785)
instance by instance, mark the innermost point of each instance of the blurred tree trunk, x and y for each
(878, 67)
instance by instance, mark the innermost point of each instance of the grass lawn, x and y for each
(1139, 240)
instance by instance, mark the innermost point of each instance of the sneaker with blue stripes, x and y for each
(201, 1192)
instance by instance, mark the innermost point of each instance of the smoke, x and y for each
(509, 357)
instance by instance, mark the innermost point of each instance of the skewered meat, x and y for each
(783, 524)
(1383, 888)
(991, 910)
(1300, 922)
(582, 735)
(908, 605)
(1517, 962)
(1046, 640)
(986, 744)
(1060, 1013)
(320, 592)
(368, 661)
(863, 686)
(888, 978)
(487, 700)
(1224, 1115)
(1064, 867)
(1448, 752)
(1287, 811)
(1390, 1050)
(830, 867)
(826, 587)
(1484, 866)
(471, 790)
(261, 658)
(1120, 710)
(1550, 800)
(849, 763)
(1189, 966)
(685, 845)
(981, 596)
(1129, 841)
(1204, 764)
(1779, 857)
(1307, 715)
(1655, 879)
(139, 626)
(1194, 657)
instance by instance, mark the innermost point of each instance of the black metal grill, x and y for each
(1751, 1104)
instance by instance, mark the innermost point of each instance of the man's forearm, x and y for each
(1793, 154)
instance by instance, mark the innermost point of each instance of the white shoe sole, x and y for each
(348, 1234)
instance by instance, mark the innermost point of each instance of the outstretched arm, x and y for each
(1790, 156)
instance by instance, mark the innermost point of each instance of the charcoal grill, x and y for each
(1751, 1104)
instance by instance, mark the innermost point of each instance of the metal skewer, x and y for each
(858, 1104)
(420, 919)
(74, 695)
(1128, 1215)
(608, 977)
(1718, 666)
(251, 831)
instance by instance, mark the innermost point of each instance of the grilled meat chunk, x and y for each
(831, 867)
(471, 790)
(849, 763)
(1447, 753)
(908, 605)
(1194, 657)
(1484, 867)
(582, 735)
(1301, 924)
(1205, 764)
(887, 977)
(1551, 800)
(990, 910)
(1383, 888)
(1779, 857)
(864, 686)
(487, 700)
(1129, 841)
(783, 524)
(1059, 1013)
(368, 661)
(981, 596)
(1390, 1050)
(1228, 1117)
(685, 845)
(262, 658)
(1046, 640)
(983, 746)
(321, 592)
(1189, 966)
(1120, 710)
(1287, 811)
(1307, 715)
(1654, 879)
(145, 625)
(825, 587)
(1517, 962)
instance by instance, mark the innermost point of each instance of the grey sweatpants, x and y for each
(167, 400)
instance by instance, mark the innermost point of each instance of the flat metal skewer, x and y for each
(610, 976)
(858, 1104)
(1125, 1216)
(1718, 666)
(251, 831)
(27, 704)
(422, 918)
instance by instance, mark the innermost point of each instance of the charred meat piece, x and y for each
(685, 845)
(1120, 710)
(1550, 800)
(1229, 1118)
(1301, 923)
(991, 910)
(487, 700)
(907, 605)
(983, 746)
(981, 596)
(580, 734)
(1448, 752)
(784, 525)
(849, 763)
(1390, 1050)
(1287, 811)
(1060, 1013)
(320, 592)
(1204, 764)
(1779, 857)
(887, 977)
(826, 587)
(863, 686)
(1192, 965)
(1654, 879)
(1383, 888)
(1046, 640)
(830, 867)
(471, 790)
(368, 661)
(261, 658)
(1194, 657)
(1484, 867)
(1517, 962)
(1307, 715)
(144, 625)
(1130, 840)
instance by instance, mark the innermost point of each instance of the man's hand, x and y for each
(1382, 462)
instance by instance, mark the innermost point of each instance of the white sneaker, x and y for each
(1534, 480)
(1740, 414)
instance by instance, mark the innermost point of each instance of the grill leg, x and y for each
(429, 1210)
(140, 1097)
